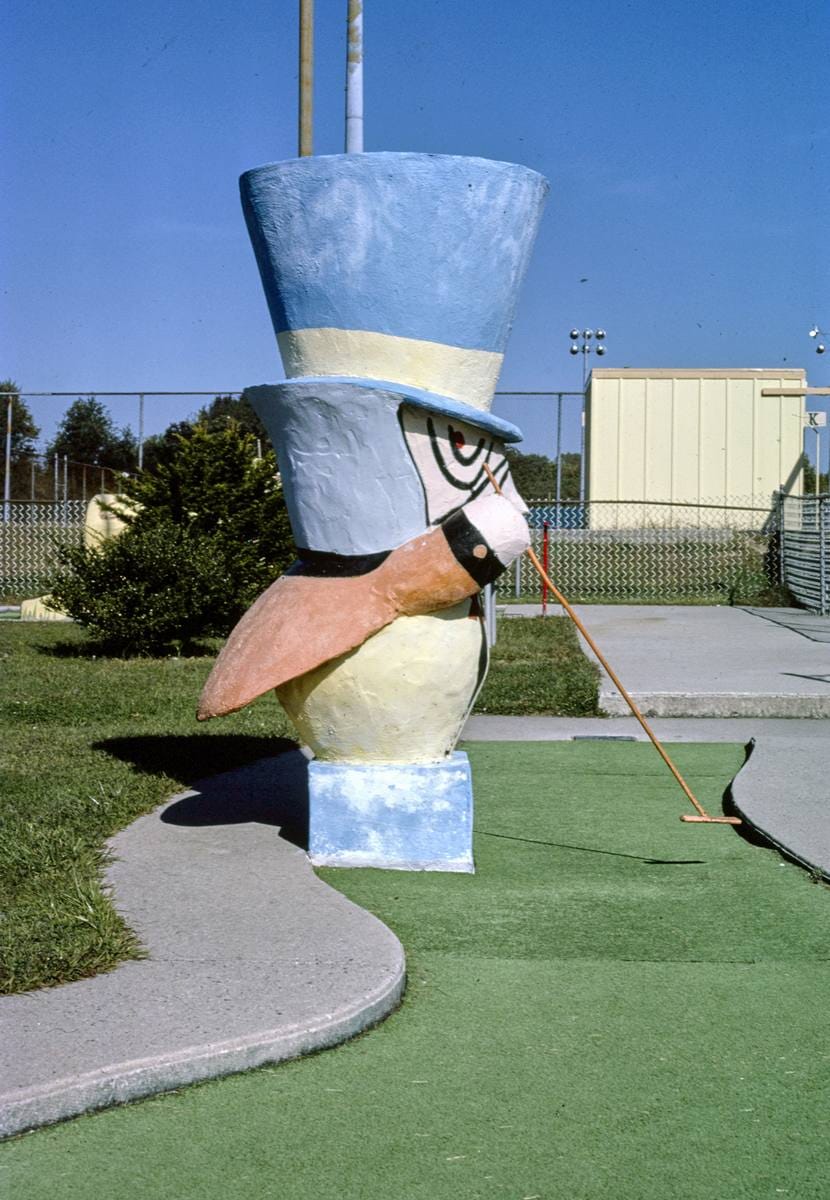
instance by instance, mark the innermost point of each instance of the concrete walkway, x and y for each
(251, 959)
(782, 792)
(482, 728)
(709, 661)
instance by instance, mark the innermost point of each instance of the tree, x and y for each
(209, 533)
(87, 434)
(24, 431)
(535, 475)
(233, 408)
(809, 478)
(160, 449)
(570, 476)
(212, 483)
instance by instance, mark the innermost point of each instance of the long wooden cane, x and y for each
(701, 817)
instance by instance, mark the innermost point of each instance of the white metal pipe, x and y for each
(354, 78)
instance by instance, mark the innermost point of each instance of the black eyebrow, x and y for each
(480, 480)
(459, 484)
(465, 460)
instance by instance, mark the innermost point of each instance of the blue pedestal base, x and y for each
(400, 816)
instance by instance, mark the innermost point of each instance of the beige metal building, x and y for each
(690, 436)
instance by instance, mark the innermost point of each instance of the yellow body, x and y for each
(402, 696)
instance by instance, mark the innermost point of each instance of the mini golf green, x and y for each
(615, 1006)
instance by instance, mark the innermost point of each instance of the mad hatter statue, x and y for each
(391, 280)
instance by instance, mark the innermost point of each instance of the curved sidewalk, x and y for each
(251, 959)
(782, 792)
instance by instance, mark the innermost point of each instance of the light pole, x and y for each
(306, 72)
(585, 342)
(354, 78)
(816, 419)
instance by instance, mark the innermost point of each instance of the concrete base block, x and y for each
(399, 816)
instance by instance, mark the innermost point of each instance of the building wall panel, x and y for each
(692, 437)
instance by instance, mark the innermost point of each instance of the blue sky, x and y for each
(687, 147)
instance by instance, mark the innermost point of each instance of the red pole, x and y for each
(545, 540)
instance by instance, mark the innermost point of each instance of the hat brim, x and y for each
(429, 401)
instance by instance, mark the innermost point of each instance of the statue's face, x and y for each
(450, 457)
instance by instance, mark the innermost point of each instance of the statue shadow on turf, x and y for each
(233, 779)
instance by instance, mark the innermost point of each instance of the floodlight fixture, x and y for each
(573, 335)
(600, 350)
(589, 333)
(815, 332)
(601, 334)
(574, 348)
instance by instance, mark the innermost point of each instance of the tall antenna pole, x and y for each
(306, 76)
(354, 78)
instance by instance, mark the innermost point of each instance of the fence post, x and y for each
(65, 478)
(517, 572)
(56, 479)
(545, 565)
(822, 551)
(32, 488)
(782, 574)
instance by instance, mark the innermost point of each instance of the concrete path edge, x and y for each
(128, 1081)
(780, 794)
(252, 959)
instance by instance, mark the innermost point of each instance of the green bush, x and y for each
(209, 534)
(213, 484)
(148, 591)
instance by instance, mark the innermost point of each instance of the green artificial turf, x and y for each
(617, 1006)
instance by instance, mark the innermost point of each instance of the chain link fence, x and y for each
(642, 552)
(805, 549)
(600, 551)
(56, 478)
(29, 536)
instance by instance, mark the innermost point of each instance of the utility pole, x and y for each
(354, 78)
(306, 77)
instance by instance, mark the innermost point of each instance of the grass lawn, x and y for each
(538, 668)
(617, 1006)
(89, 744)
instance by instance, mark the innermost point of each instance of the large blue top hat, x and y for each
(399, 268)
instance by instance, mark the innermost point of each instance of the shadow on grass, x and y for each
(237, 778)
(652, 862)
(193, 756)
